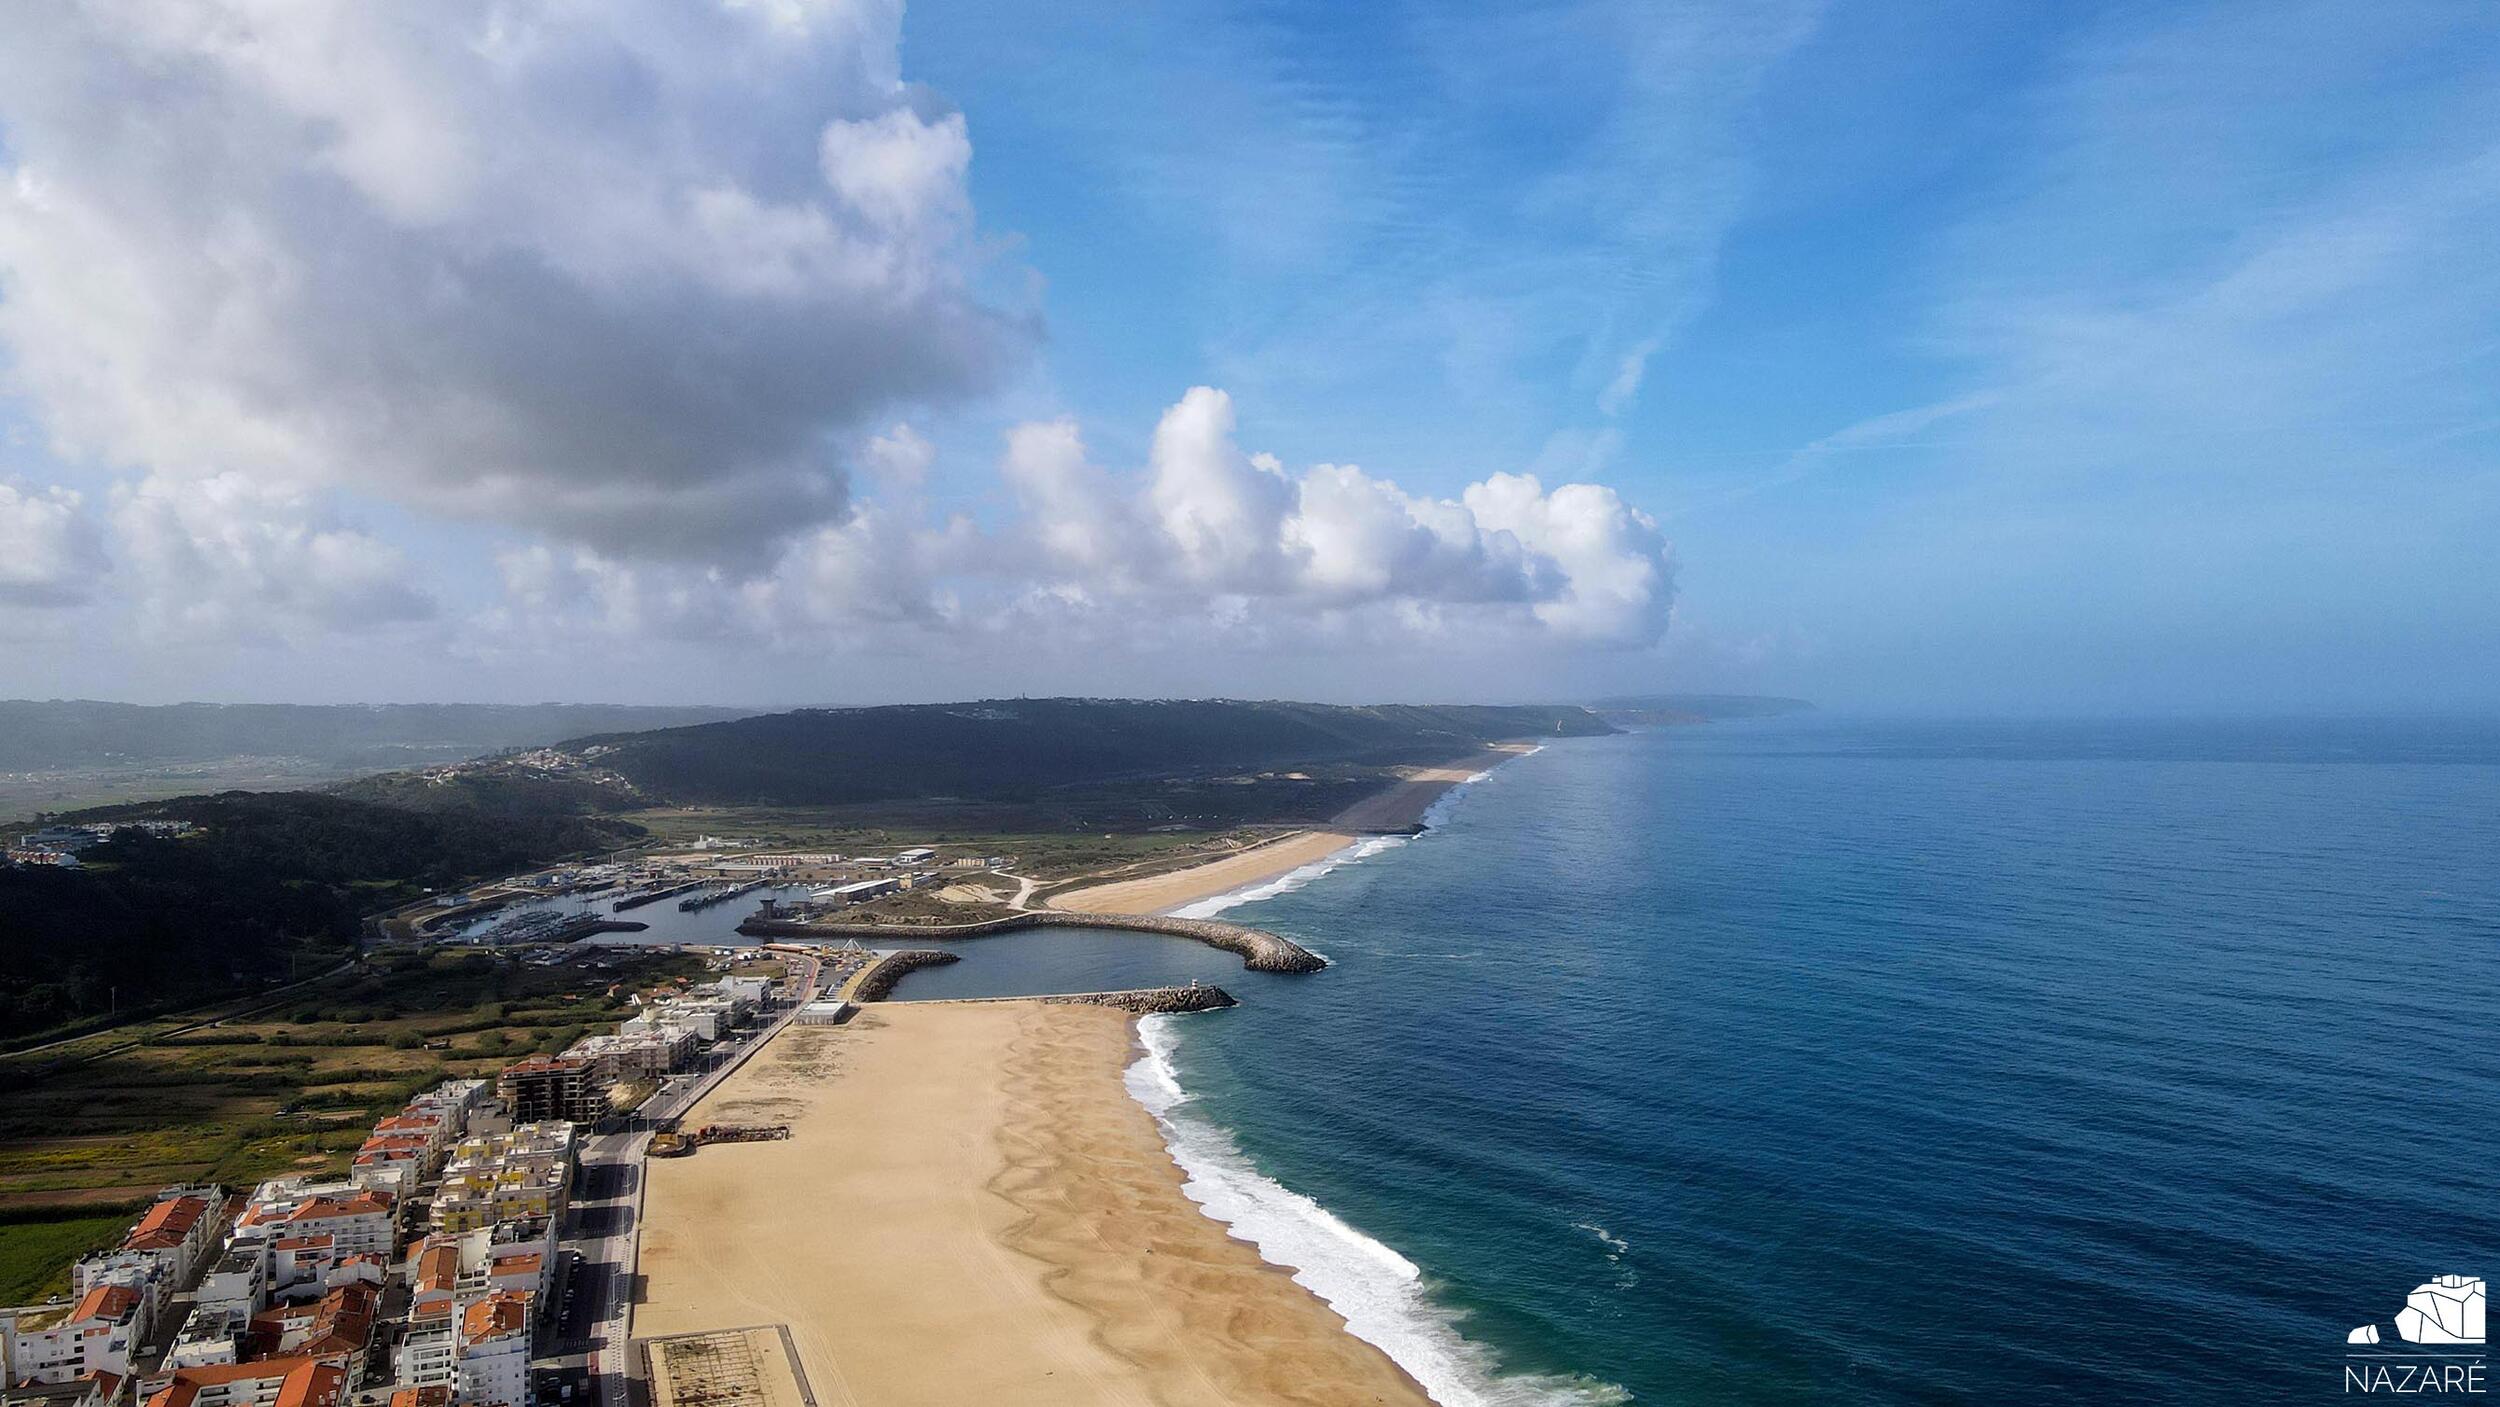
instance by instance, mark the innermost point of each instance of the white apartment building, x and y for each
(275, 1382)
(495, 1352)
(68, 1339)
(212, 1335)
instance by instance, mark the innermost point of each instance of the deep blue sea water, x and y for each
(1821, 1061)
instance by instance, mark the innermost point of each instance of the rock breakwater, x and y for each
(878, 978)
(1260, 950)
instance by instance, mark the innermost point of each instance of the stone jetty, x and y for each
(1260, 950)
(878, 978)
(1147, 1001)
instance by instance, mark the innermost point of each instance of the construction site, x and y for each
(670, 1143)
(753, 1367)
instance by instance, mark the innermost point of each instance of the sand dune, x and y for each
(971, 1209)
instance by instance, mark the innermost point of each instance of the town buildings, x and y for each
(299, 1301)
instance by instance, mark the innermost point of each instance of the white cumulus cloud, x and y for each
(1204, 546)
(621, 274)
(50, 551)
(1578, 564)
(228, 557)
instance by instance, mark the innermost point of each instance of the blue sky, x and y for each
(1943, 357)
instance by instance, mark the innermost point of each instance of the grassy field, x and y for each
(289, 1090)
(35, 1254)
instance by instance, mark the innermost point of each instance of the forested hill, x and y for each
(1014, 748)
(993, 750)
(266, 884)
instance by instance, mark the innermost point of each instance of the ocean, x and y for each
(1835, 1061)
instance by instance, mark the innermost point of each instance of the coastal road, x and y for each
(604, 1226)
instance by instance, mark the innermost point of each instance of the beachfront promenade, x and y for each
(608, 1211)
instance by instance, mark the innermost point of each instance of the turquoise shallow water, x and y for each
(1829, 1061)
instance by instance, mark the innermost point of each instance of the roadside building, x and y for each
(495, 1352)
(631, 1055)
(546, 1087)
(522, 1176)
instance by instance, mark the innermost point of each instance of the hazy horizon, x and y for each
(1825, 709)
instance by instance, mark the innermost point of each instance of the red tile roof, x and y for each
(111, 1302)
(166, 1224)
(365, 1203)
(500, 1313)
(304, 1382)
(438, 1265)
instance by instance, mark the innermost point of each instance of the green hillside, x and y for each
(1014, 749)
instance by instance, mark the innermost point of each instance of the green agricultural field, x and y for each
(35, 1255)
(95, 1125)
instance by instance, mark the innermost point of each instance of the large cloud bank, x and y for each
(1205, 544)
(619, 273)
(635, 287)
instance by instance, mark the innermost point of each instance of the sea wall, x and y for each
(1143, 1001)
(879, 977)
(1148, 1001)
(1260, 950)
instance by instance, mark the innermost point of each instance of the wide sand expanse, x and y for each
(971, 1209)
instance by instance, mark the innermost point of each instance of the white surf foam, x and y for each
(1380, 1293)
(1291, 880)
(1435, 816)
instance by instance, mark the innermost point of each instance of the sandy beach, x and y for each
(1404, 805)
(972, 1209)
(1393, 808)
(1162, 893)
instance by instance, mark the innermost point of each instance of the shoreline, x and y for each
(1394, 812)
(1191, 1278)
(976, 1174)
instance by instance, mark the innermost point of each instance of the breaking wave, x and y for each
(1380, 1294)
